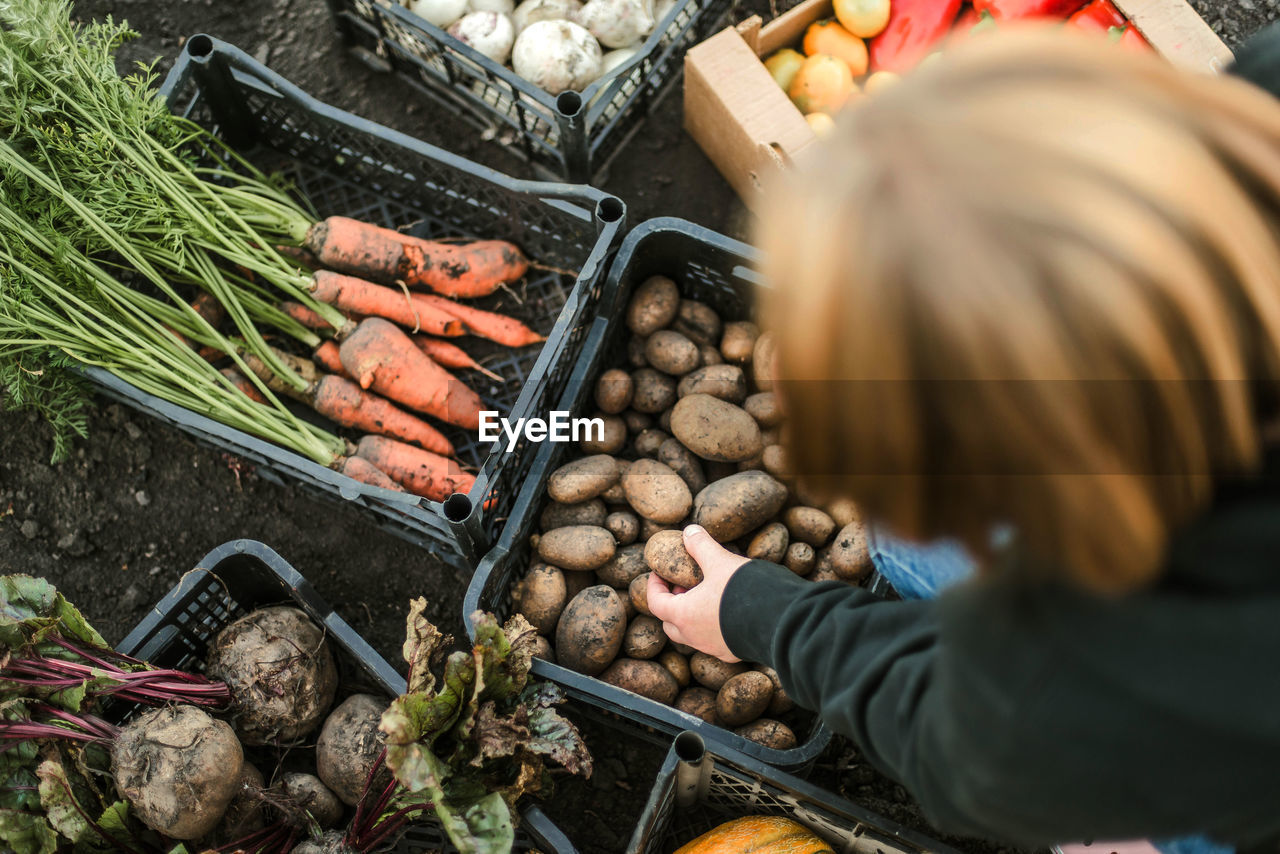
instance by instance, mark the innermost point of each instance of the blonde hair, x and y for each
(1035, 283)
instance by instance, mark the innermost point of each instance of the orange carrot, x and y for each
(326, 356)
(487, 324)
(241, 382)
(207, 306)
(367, 473)
(451, 356)
(380, 356)
(345, 403)
(460, 270)
(420, 472)
(351, 294)
(306, 316)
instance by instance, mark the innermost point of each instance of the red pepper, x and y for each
(1100, 16)
(1012, 10)
(1132, 39)
(914, 28)
(970, 22)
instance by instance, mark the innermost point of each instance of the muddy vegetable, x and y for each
(578, 547)
(743, 697)
(638, 593)
(671, 353)
(611, 440)
(770, 543)
(711, 672)
(800, 558)
(589, 634)
(655, 391)
(540, 597)
(849, 554)
(582, 480)
(646, 678)
(656, 492)
(654, 305)
(726, 382)
(714, 429)
(666, 556)
(179, 769)
(809, 525)
(763, 407)
(349, 746)
(684, 463)
(698, 321)
(770, 733)
(557, 515)
(627, 563)
(738, 341)
(613, 391)
(280, 670)
(644, 638)
(738, 504)
(699, 702)
(625, 527)
(306, 792)
(649, 441)
(677, 665)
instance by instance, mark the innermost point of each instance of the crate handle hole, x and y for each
(200, 46)
(569, 104)
(610, 209)
(690, 747)
(457, 507)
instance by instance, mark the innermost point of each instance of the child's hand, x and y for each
(692, 617)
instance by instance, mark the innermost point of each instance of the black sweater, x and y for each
(1040, 714)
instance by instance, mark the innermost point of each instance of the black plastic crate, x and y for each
(573, 135)
(702, 786)
(346, 166)
(708, 267)
(243, 575)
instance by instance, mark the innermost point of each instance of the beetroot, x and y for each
(349, 746)
(179, 768)
(280, 670)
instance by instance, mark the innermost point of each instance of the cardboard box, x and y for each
(750, 129)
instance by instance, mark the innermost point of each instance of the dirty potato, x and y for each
(656, 492)
(800, 558)
(762, 362)
(849, 556)
(646, 678)
(780, 704)
(557, 515)
(653, 306)
(809, 525)
(699, 702)
(683, 462)
(665, 554)
(698, 322)
(638, 593)
(738, 504)
(770, 543)
(738, 341)
(655, 391)
(710, 672)
(715, 429)
(589, 634)
(644, 638)
(769, 732)
(577, 547)
(610, 440)
(626, 563)
(743, 698)
(541, 596)
(763, 407)
(624, 526)
(583, 479)
(671, 353)
(677, 665)
(613, 391)
(726, 382)
(649, 441)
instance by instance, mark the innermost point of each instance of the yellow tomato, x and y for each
(863, 18)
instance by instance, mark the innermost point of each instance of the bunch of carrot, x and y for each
(370, 375)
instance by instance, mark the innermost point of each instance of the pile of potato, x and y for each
(692, 435)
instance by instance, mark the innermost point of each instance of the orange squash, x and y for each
(758, 834)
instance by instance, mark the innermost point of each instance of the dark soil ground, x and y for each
(139, 503)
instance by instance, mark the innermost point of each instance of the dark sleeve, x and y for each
(1258, 61)
(1033, 716)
